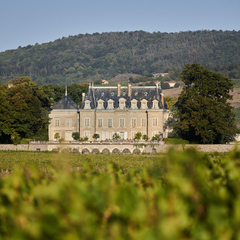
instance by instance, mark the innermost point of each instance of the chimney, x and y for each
(119, 89)
(66, 91)
(162, 96)
(129, 89)
(83, 97)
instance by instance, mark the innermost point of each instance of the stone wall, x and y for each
(118, 147)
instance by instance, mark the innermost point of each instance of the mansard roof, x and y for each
(150, 93)
(65, 103)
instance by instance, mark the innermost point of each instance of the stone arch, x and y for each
(65, 150)
(85, 151)
(55, 150)
(126, 151)
(116, 150)
(105, 151)
(75, 150)
(95, 151)
(136, 151)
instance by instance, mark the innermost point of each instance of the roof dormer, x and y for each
(100, 104)
(134, 104)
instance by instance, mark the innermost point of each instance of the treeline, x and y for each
(24, 108)
(77, 59)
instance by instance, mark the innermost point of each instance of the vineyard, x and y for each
(187, 195)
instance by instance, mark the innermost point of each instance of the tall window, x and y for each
(57, 122)
(134, 122)
(133, 134)
(144, 122)
(121, 122)
(87, 134)
(69, 122)
(100, 122)
(87, 105)
(109, 122)
(100, 105)
(144, 105)
(110, 105)
(86, 122)
(134, 105)
(154, 122)
(121, 105)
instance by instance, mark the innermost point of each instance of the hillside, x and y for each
(81, 58)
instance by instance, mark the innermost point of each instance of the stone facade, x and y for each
(108, 110)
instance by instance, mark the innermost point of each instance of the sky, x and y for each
(39, 21)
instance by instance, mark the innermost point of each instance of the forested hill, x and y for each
(76, 59)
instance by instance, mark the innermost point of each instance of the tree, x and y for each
(204, 111)
(75, 135)
(57, 136)
(170, 101)
(138, 136)
(116, 136)
(5, 118)
(145, 137)
(28, 117)
(96, 136)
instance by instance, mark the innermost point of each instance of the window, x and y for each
(87, 105)
(134, 105)
(133, 134)
(122, 135)
(86, 122)
(144, 105)
(69, 122)
(154, 122)
(68, 136)
(110, 105)
(100, 122)
(155, 104)
(121, 105)
(87, 134)
(121, 122)
(109, 122)
(144, 122)
(57, 122)
(134, 122)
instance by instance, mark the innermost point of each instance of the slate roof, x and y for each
(139, 93)
(65, 103)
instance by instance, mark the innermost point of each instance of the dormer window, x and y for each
(110, 104)
(134, 104)
(155, 104)
(144, 104)
(87, 104)
(122, 103)
(100, 104)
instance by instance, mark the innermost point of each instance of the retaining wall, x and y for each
(115, 147)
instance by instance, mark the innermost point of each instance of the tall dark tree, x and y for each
(5, 120)
(205, 113)
(29, 103)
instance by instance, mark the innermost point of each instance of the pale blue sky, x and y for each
(24, 22)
